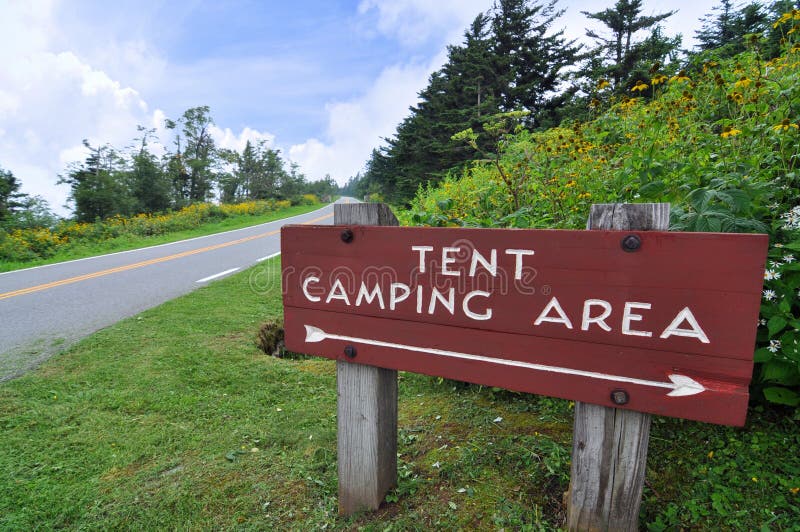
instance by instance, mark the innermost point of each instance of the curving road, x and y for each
(47, 308)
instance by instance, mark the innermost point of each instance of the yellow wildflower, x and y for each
(681, 76)
(661, 78)
(744, 81)
(795, 491)
(602, 83)
(785, 125)
(736, 97)
(640, 86)
(729, 131)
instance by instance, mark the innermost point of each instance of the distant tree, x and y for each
(725, 30)
(34, 211)
(619, 57)
(95, 189)
(149, 184)
(323, 188)
(10, 197)
(269, 174)
(191, 167)
(292, 183)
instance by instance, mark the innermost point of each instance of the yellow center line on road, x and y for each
(142, 264)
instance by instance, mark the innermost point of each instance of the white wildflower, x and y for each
(774, 345)
(788, 259)
(771, 275)
(769, 295)
(791, 219)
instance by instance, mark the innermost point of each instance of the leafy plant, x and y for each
(719, 141)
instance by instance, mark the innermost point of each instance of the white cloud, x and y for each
(357, 126)
(51, 100)
(226, 138)
(414, 22)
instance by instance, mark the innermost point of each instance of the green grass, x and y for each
(175, 420)
(128, 242)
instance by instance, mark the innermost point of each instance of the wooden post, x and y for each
(367, 405)
(609, 447)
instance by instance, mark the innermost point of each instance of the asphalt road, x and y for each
(45, 309)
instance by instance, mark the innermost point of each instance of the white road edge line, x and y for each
(220, 274)
(268, 257)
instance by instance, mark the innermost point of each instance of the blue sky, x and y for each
(323, 81)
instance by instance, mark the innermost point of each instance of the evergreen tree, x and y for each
(508, 60)
(95, 188)
(10, 197)
(724, 31)
(528, 57)
(620, 58)
(149, 185)
(268, 171)
(191, 167)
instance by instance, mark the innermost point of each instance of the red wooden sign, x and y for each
(666, 326)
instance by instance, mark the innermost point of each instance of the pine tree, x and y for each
(191, 167)
(725, 31)
(10, 196)
(618, 57)
(149, 185)
(96, 189)
(528, 57)
(509, 59)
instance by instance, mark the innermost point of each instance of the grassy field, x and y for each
(173, 419)
(127, 242)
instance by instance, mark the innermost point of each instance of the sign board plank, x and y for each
(564, 313)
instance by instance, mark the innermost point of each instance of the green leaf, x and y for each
(778, 372)
(762, 355)
(652, 190)
(776, 324)
(782, 396)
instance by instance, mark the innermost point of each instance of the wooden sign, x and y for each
(655, 322)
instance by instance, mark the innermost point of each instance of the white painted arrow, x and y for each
(681, 385)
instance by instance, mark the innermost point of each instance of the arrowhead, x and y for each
(685, 386)
(314, 334)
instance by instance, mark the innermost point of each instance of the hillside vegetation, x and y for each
(719, 140)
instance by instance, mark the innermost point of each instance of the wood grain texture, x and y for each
(609, 445)
(366, 406)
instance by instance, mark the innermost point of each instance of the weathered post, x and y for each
(367, 403)
(609, 448)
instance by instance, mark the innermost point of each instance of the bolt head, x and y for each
(347, 236)
(631, 243)
(350, 351)
(619, 397)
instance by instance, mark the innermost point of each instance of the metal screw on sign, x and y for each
(347, 236)
(631, 243)
(619, 397)
(350, 351)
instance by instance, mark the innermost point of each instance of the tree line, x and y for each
(513, 58)
(135, 180)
